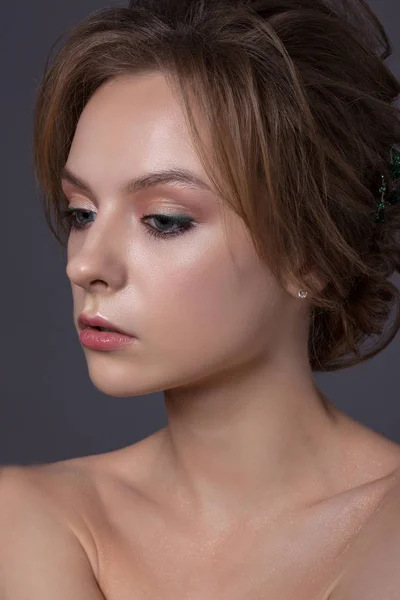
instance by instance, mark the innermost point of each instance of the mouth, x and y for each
(102, 336)
(99, 328)
(98, 323)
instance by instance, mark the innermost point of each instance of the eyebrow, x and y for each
(178, 177)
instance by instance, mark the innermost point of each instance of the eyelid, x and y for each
(74, 197)
(70, 195)
(150, 212)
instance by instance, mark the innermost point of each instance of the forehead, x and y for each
(134, 99)
(134, 124)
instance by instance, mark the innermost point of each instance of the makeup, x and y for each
(104, 340)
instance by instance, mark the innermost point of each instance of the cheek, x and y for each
(214, 302)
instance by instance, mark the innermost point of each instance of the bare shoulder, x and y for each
(372, 568)
(41, 549)
(53, 485)
(64, 489)
(81, 493)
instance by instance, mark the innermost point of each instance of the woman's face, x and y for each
(199, 303)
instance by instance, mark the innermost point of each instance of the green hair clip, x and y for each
(394, 196)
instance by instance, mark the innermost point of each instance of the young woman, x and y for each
(223, 174)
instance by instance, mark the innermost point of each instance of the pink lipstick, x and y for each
(99, 334)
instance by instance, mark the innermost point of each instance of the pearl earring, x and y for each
(302, 294)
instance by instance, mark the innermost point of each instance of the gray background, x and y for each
(50, 410)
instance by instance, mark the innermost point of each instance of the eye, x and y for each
(182, 223)
(77, 220)
(71, 214)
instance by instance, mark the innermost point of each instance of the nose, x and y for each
(96, 255)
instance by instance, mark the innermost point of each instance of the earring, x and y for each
(302, 294)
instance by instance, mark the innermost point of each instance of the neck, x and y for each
(269, 438)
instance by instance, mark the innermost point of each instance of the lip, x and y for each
(85, 321)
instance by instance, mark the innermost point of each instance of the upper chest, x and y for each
(145, 552)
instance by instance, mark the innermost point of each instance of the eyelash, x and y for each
(185, 223)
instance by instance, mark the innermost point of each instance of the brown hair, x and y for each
(300, 106)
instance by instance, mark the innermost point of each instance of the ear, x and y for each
(312, 282)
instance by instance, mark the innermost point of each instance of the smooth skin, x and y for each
(259, 486)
